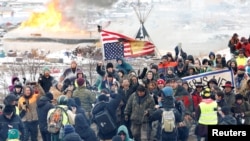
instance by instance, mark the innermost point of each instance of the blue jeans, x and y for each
(30, 130)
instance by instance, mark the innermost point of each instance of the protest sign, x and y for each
(220, 75)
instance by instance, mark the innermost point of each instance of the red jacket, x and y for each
(247, 50)
(196, 97)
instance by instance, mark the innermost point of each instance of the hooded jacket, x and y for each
(126, 67)
(43, 107)
(82, 127)
(124, 129)
(13, 79)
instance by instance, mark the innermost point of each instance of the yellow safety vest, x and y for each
(208, 114)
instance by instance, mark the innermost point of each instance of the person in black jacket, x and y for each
(168, 102)
(43, 106)
(9, 120)
(82, 127)
(109, 69)
(46, 80)
(111, 107)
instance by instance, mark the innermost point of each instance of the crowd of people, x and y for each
(123, 105)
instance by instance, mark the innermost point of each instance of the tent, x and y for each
(142, 11)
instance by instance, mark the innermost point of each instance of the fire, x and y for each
(51, 19)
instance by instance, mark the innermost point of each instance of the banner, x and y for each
(220, 75)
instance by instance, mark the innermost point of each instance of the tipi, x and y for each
(142, 10)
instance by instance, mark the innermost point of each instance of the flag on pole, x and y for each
(116, 45)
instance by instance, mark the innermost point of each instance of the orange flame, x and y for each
(51, 19)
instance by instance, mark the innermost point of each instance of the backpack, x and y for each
(168, 120)
(55, 120)
(103, 119)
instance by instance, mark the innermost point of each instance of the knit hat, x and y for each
(80, 81)
(46, 69)
(68, 129)
(160, 81)
(109, 65)
(10, 98)
(8, 109)
(168, 91)
(13, 134)
(117, 138)
(238, 97)
(49, 95)
(18, 84)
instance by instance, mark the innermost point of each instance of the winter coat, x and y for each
(86, 96)
(43, 107)
(222, 103)
(111, 107)
(229, 98)
(125, 96)
(55, 91)
(70, 74)
(182, 94)
(157, 116)
(13, 79)
(30, 113)
(46, 82)
(102, 72)
(5, 124)
(242, 108)
(82, 127)
(136, 106)
(196, 97)
(126, 67)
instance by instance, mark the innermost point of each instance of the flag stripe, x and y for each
(114, 38)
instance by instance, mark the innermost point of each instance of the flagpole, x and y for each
(99, 28)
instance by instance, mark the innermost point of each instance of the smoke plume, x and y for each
(80, 11)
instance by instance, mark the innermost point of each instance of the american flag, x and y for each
(118, 46)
